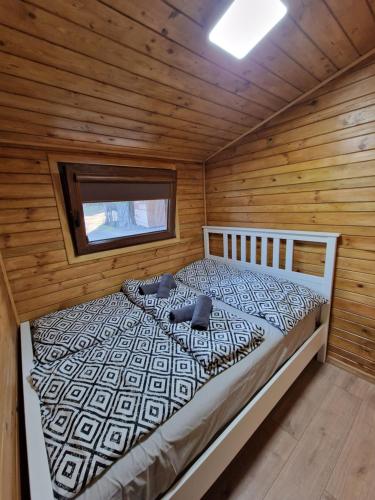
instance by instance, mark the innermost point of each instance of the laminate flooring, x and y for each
(317, 444)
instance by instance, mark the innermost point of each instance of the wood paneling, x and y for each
(31, 238)
(9, 460)
(313, 168)
(140, 75)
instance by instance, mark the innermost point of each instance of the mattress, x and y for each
(150, 468)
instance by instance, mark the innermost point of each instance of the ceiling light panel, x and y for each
(245, 23)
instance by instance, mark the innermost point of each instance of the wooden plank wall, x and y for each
(142, 74)
(9, 468)
(32, 245)
(313, 168)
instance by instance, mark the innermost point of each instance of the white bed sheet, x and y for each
(151, 467)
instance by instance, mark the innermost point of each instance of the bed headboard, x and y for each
(242, 238)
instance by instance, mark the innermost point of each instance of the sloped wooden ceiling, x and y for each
(119, 74)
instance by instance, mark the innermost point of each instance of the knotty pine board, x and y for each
(143, 76)
(313, 168)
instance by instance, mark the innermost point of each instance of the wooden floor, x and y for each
(318, 443)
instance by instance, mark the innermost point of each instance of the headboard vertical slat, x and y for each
(264, 251)
(276, 253)
(206, 238)
(253, 253)
(234, 246)
(243, 248)
(289, 254)
(225, 245)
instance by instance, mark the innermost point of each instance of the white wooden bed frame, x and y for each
(197, 479)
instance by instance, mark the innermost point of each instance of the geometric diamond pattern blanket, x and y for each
(277, 300)
(228, 338)
(98, 402)
(64, 332)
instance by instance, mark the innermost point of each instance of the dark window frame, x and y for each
(78, 177)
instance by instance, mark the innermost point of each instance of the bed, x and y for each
(185, 455)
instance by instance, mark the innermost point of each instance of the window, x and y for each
(112, 207)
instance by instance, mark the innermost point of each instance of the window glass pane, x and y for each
(108, 220)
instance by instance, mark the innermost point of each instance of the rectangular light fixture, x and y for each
(245, 23)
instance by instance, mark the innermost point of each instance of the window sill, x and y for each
(76, 259)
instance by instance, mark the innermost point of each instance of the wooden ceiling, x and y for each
(120, 74)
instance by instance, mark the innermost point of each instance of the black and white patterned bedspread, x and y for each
(64, 332)
(228, 339)
(97, 403)
(279, 301)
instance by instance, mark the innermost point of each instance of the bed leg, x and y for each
(322, 354)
